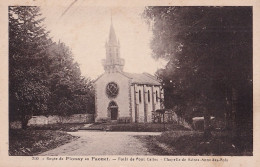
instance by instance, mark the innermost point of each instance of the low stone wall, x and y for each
(38, 120)
(171, 117)
(76, 118)
(184, 123)
(216, 123)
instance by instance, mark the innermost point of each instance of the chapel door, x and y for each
(114, 112)
(113, 109)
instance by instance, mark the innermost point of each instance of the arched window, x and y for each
(156, 96)
(140, 96)
(148, 96)
(112, 104)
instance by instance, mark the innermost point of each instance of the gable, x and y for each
(111, 74)
(107, 77)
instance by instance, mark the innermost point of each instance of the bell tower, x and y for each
(113, 62)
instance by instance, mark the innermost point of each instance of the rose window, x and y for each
(112, 89)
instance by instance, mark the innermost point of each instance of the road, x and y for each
(103, 143)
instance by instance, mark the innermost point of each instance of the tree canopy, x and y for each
(209, 53)
(43, 76)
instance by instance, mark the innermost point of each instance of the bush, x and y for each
(103, 120)
(124, 120)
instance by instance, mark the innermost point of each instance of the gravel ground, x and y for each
(103, 143)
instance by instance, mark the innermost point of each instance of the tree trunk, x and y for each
(237, 119)
(25, 121)
(207, 126)
(228, 114)
(234, 108)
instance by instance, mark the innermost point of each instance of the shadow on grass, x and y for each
(191, 143)
(35, 140)
(70, 127)
(136, 127)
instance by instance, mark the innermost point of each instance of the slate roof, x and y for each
(143, 78)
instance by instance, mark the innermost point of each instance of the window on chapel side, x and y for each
(140, 96)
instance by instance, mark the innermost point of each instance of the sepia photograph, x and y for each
(130, 80)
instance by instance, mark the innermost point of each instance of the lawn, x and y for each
(70, 127)
(136, 127)
(192, 143)
(35, 140)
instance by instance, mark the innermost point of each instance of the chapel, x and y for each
(123, 96)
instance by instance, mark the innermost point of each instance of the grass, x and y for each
(192, 143)
(137, 127)
(32, 142)
(71, 127)
(37, 139)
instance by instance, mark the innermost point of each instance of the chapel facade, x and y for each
(124, 96)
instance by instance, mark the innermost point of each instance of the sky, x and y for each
(85, 30)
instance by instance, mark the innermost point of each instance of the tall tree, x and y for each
(28, 40)
(209, 50)
(70, 92)
(43, 76)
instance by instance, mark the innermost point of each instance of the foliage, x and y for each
(71, 93)
(27, 56)
(209, 53)
(43, 77)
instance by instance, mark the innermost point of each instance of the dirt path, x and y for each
(103, 143)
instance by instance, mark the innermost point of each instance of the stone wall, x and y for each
(170, 117)
(216, 123)
(76, 118)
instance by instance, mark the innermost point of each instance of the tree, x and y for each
(28, 40)
(209, 50)
(70, 92)
(43, 76)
